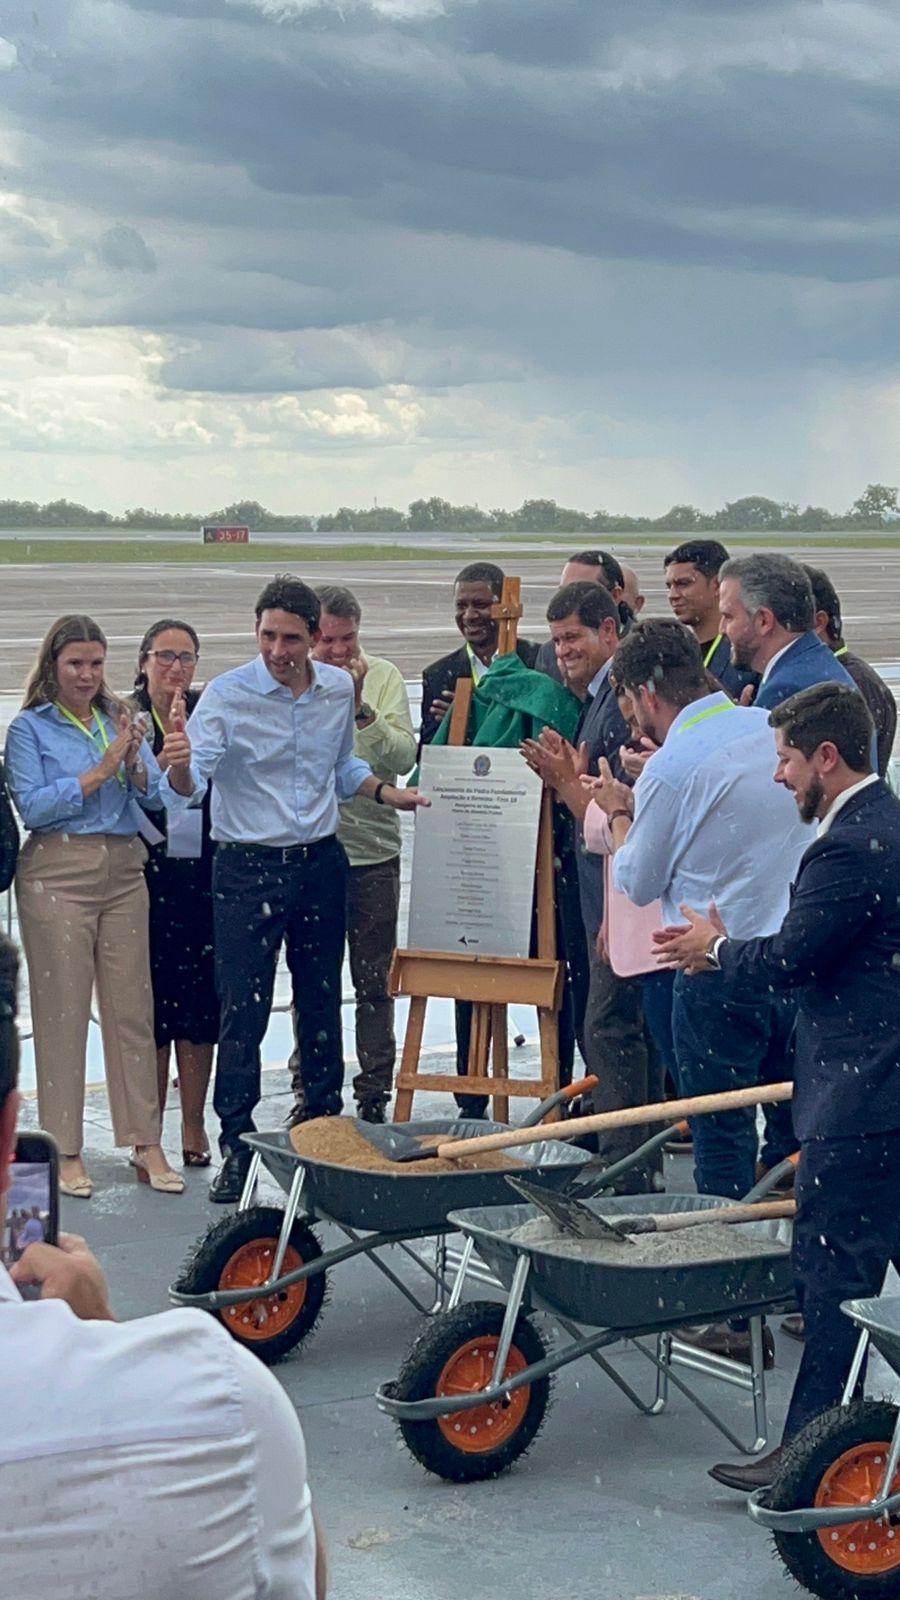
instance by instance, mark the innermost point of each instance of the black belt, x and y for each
(282, 853)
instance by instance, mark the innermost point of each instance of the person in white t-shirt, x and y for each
(146, 1460)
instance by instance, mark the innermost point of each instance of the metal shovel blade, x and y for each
(570, 1216)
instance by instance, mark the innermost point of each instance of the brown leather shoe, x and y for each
(718, 1339)
(747, 1476)
(794, 1327)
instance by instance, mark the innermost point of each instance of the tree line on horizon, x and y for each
(876, 507)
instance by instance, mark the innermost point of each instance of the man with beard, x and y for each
(707, 826)
(837, 950)
(768, 615)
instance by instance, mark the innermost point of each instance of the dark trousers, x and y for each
(727, 1040)
(846, 1232)
(629, 1067)
(373, 904)
(657, 998)
(261, 897)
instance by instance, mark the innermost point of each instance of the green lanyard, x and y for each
(842, 652)
(158, 720)
(712, 649)
(701, 716)
(101, 731)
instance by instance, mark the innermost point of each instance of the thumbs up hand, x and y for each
(176, 751)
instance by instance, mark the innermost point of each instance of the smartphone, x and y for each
(32, 1202)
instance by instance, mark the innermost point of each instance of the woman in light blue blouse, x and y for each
(80, 773)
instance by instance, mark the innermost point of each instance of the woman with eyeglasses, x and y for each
(83, 780)
(179, 878)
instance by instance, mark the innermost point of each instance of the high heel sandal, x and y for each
(164, 1182)
(194, 1158)
(81, 1189)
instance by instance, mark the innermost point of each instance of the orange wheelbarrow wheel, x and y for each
(839, 1460)
(454, 1356)
(238, 1253)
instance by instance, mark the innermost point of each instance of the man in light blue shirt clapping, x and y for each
(708, 822)
(277, 736)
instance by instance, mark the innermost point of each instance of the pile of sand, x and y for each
(716, 1241)
(339, 1141)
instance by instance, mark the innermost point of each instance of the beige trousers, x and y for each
(84, 921)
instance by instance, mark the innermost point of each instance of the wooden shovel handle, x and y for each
(767, 1211)
(630, 1117)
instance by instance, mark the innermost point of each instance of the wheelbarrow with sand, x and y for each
(474, 1389)
(262, 1269)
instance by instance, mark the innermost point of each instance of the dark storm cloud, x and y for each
(490, 188)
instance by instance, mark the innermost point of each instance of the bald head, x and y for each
(631, 589)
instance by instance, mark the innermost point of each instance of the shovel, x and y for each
(577, 1221)
(630, 1117)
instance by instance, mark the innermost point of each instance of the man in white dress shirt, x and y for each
(147, 1460)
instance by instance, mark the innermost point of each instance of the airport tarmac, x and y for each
(407, 612)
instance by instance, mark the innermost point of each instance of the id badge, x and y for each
(148, 830)
(185, 833)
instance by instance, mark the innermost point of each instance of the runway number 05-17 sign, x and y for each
(475, 853)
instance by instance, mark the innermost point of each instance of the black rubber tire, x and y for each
(202, 1272)
(428, 1356)
(802, 1468)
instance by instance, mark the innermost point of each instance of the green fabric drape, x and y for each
(512, 703)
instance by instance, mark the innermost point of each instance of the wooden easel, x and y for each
(491, 983)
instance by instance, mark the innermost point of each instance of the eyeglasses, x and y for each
(168, 658)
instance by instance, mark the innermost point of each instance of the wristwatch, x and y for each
(365, 714)
(712, 953)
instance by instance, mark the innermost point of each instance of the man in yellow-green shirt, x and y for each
(370, 834)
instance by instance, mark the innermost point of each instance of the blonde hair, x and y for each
(43, 684)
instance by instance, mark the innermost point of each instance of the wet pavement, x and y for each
(607, 1504)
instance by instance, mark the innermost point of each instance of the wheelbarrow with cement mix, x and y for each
(834, 1507)
(262, 1269)
(474, 1389)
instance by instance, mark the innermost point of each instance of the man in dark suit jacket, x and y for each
(477, 588)
(584, 621)
(768, 615)
(874, 690)
(588, 566)
(837, 948)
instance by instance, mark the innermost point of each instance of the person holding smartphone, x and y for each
(77, 767)
(161, 1434)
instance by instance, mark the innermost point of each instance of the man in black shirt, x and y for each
(692, 583)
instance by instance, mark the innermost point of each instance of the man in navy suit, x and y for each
(768, 615)
(838, 950)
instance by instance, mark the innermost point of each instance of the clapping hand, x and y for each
(607, 791)
(119, 749)
(357, 667)
(686, 947)
(554, 759)
(634, 761)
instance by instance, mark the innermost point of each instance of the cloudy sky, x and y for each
(618, 252)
